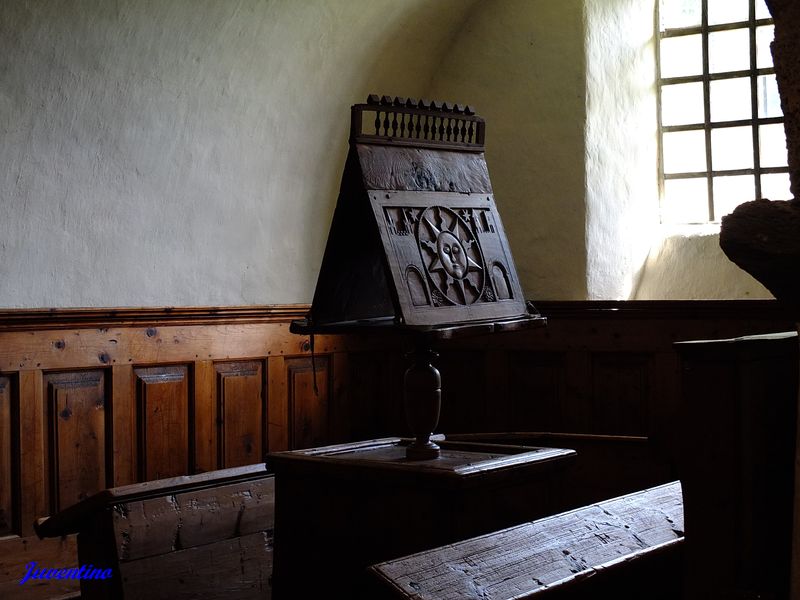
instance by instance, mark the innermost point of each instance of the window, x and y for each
(720, 117)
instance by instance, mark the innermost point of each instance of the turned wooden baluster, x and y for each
(423, 400)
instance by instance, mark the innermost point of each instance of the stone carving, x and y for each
(763, 237)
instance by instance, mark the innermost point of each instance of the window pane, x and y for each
(732, 148)
(679, 13)
(775, 187)
(730, 192)
(682, 104)
(761, 10)
(728, 11)
(764, 37)
(769, 102)
(681, 55)
(729, 50)
(684, 152)
(772, 144)
(730, 99)
(685, 201)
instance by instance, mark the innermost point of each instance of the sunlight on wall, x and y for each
(621, 150)
(687, 264)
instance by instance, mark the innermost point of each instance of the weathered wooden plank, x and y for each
(123, 424)
(71, 519)
(392, 168)
(526, 560)
(82, 348)
(16, 553)
(232, 569)
(171, 522)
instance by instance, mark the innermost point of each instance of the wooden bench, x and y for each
(557, 555)
(199, 536)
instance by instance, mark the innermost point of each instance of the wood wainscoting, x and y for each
(91, 399)
(97, 398)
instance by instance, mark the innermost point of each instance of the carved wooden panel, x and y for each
(448, 256)
(423, 169)
(240, 413)
(308, 407)
(162, 399)
(621, 392)
(6, 461)
(76, 421)
(537, 391)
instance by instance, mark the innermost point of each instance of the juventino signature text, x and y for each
(85, 572)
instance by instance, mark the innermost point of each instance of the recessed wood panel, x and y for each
(376, 395)
(536, 389)
(162, 400)
(308, 407)
(6, 464)
(240, 420)
(76, 419)
(620, 392)
(463, 410)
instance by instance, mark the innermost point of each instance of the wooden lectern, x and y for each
(416, 248)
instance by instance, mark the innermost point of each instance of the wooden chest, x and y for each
(342, 508)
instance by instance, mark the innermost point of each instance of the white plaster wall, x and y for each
(521, 63)
(689, 265)
(188, 152)
(621, 144)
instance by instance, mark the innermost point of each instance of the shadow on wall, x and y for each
(688, 264)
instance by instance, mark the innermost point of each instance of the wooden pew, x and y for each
(610, 549)
(193, 537)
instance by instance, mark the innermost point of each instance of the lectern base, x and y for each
(342, 508)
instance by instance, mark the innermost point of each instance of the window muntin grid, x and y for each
(719, 114)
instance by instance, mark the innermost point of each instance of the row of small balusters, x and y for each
(426, 127)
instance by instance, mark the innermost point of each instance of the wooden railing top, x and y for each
(401, 121)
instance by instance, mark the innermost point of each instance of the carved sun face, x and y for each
(451, 256)
(454, 255)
